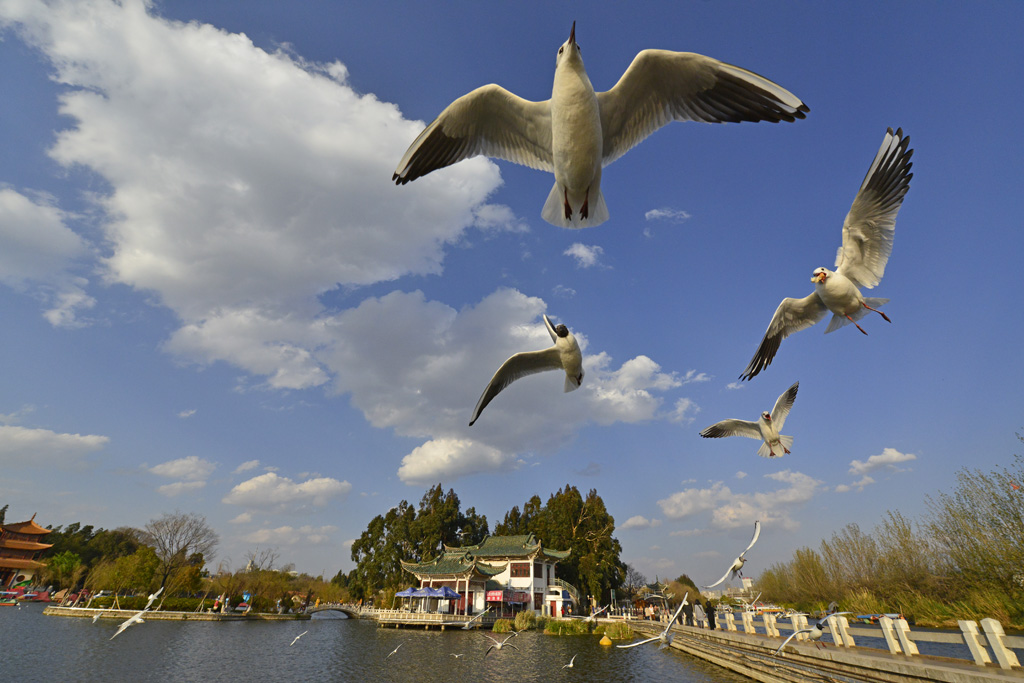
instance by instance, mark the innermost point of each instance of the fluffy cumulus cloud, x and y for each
(889, 458)
(666, 214)
(287, 535)
(37, 253)
(586, 257)
(270, 491)
(23, 447)
(246, 466)
(192, 473)
(726, 509)
(640, 522)
(245, 186)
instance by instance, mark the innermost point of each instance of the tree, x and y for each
(65, 569)
(632, 582)
(175, 537)
(3, 513)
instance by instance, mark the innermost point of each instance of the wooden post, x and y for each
(994, 632)
(978, 651)
(890, 635)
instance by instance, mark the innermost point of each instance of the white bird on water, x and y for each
(498, 645)
(579, 131)
(868, 233)
(137, 617)
(564, 355)
(297, 637)
(665, 636)
(767, 428)
(736, 568)
(814, 633)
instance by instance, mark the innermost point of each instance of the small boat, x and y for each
(8, 599)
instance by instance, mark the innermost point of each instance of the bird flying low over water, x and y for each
(767, 428)
(868, 233)
(504, 643)
(137, 617)
(297, 638)
(570, 664)
(564, 355)
(736, 568)
(578, 131)
(665, 636)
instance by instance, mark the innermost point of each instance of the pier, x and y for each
(746, 650)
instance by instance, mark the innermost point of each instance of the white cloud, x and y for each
(179, 487)
(729, 510)
(185, 414)
(692, 376)
(563, 292)
(287, 535)
(17, 415)
(37, 253)
(246, 466)
(666, 214)
(640, 522)
(192, 468)
(734, 385)
(243, 518)
(270, 491)
(685, 411)
(23, 447)
(741, 475)
(445, 459)
(889, 457)
(586, 257)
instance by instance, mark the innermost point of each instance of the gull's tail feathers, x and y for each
(842, 321)
(554, 210)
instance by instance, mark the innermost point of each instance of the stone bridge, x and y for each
(350, 610)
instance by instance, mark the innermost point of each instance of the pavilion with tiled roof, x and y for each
(517, 571)
(20, 547)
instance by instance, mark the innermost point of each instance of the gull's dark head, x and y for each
(562, 331)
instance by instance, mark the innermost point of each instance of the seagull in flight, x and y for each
(814, 633)
(665, 636)
(297, 637)
(593, 616)
(578, 132)
(394, 651)
(736, 568)
(466, 626)
(868, 233)
(569, 665)
(137, 617)
(498, 645)
(564, 355)
(457, 656)
(767, 428)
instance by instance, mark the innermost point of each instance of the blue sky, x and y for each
(215, 300)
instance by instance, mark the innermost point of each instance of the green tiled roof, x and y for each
(480, 557)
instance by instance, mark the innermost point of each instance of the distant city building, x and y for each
(20, 547)
(505, 573)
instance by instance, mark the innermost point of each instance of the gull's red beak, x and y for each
(572, 34)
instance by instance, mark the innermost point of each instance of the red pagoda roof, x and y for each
(24, 545)
(29, 527)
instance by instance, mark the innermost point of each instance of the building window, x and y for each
(520, 570)
(538, 570)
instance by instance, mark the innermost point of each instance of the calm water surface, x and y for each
(38, 648)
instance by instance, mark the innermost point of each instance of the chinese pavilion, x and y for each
(20, 548)
(503, 572)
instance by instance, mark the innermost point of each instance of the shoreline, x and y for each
(104, 613)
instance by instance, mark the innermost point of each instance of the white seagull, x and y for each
(137, 617)
(578, 131)
(457, 656)
(297, 637)
(394, 651)
(504, 643)
(868, 233)
(468, 624)
(569, 665)
(564, 355)
(665, 636)
(736, 568)
(814, 632)
(767, 428)
(593, 616)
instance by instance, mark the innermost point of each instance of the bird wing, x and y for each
(678, 610)
(732, 427)
(791, 316)
(661, 86)
(489, 120)
(757, 532)
(640, 642)
(791, 637)
(783, 404)
(871, 223)
(489, 650)
(724, 577)
(519, 365)
(551, 329)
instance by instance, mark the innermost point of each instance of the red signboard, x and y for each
(495, 596)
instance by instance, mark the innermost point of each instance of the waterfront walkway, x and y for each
(122, 614)
(752, 654)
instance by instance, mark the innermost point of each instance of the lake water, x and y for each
(34, 647)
